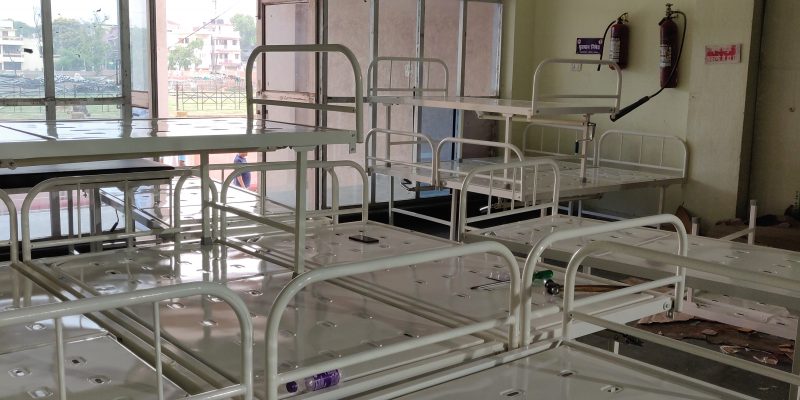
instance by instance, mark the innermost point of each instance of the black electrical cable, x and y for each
(621, 113)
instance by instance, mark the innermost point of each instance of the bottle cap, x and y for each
(544, 275)
(291, 387)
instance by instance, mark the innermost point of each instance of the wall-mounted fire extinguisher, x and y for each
(668, 49)
(618, 42)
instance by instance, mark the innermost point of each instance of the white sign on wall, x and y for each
(724, 54)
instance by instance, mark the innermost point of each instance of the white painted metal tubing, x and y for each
(667, 258)
(13, 226)
(176, 206)
(575, 130)
(328, 273)
(437, 155)
(55, 311)
(372, 136)
(49, 184)
(328, 166)
(598, 149)
(690, 348)
(537, 79)
(372, 76)
(396, 348)
(538, 250)
(309, 48)
(534, 163)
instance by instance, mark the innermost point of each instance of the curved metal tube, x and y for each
(56, 311)
(372, 135)
(663, 137)
(75, 180)
(521, 165)
(544, 243)
(291, 165)
(327, 273)
(698, 265)
(309, 48)
(13, 227)
(176, 207)
(437, 156)
(536, 97)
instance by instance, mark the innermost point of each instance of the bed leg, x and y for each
(794, 392)
(301, 181)
(454, 193)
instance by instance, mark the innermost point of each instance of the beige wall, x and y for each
(707, 109)
(776, 165)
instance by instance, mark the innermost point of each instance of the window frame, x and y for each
(50, 101)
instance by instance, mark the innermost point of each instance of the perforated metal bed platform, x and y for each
(599, 179)
(97, 365)
(452, 290)
(326, 321)
(573, 373)
(712, 292)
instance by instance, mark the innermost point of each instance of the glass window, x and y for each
(86, 48)
(140, 45)
(208, 43)
(21, 64)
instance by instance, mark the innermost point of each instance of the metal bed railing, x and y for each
(420, 65)
(570, 314)
(437, 155)
(300, 214)
(517, 185)
(372, 160)
(602, 151)
(357, 108)
(535, 257)
(557, 134)
(127, 181)
(274, 378)
(13, 227)
(538, 98)
(56, 311)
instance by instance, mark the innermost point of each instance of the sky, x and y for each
(189, 12)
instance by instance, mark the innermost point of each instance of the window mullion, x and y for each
(48, 60)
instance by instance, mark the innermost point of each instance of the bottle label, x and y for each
(615, 50)
(323, 380)
(665, 56)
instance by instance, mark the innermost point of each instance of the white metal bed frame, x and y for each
(428, 386)
(46, 149)
(56, 311)
(436, 174)
(545, 109)
(274, 379)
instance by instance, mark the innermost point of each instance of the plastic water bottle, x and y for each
(317, 382)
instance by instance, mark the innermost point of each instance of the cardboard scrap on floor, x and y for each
(745, 343)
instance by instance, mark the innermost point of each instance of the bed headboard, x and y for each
(654, 151)
(255, 97)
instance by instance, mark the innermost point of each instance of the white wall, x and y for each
(776, 166)
(707, 108)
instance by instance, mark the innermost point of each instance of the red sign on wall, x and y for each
(725, 54)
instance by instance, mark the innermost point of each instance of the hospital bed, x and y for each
(329, 321)
(621, 160)
(52, 348)
(573, 110)
(568, 369)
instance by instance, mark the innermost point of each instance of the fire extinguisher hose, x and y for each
(638, 103)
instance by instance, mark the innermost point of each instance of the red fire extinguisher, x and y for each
(618, 43)
(668, 50)
(620, 34)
